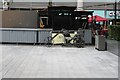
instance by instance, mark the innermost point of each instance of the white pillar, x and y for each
(5, 5)
(79, 5)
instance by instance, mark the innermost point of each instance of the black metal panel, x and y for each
(65, 17)
(61, 8)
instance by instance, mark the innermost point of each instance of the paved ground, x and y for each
(113, 47)
(28, 61)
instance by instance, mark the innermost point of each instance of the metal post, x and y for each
(31, 5)
(50, 3)
(105, 11)
(119, 10)
(115, 11)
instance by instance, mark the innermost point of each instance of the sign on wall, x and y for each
(108, 14)
(112, 13)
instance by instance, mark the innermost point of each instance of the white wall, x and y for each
(41, 3)
(44, 0)
(38, 4)
(65, 0)
(101, 0)
(0, 46)
(94, 3)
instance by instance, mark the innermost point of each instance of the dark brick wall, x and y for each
(19, 19)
